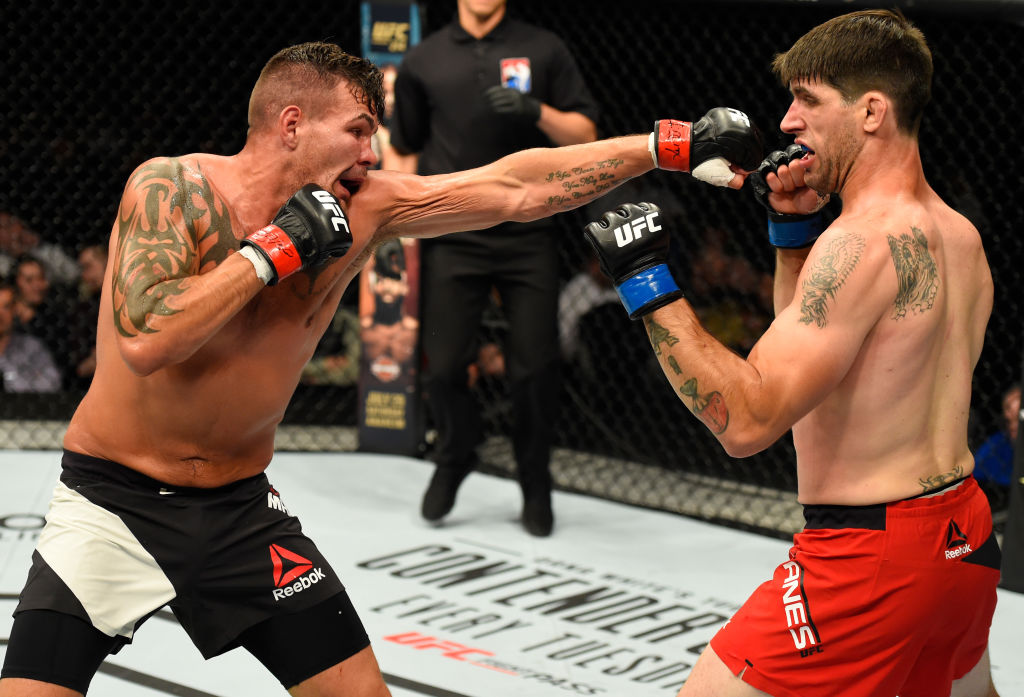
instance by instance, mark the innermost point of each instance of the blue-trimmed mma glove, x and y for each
(705, 148)
(632, 246)
(786, 230)
(308, 231)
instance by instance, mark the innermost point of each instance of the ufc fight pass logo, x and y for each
(330, 204)
(627, 232)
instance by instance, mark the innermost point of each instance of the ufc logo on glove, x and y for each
(331, 204)
(627, 232)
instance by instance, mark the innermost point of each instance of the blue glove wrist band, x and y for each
(646, 287)
(795, 234)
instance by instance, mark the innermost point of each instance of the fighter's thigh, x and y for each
(977, 682)
(710, 677)
(356, 676)
(332, 635)
(21, 687)
(50, 653)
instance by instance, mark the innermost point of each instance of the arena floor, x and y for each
(441, 633)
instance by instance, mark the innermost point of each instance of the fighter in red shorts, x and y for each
(880, 319)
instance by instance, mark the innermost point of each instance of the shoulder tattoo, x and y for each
(827, 276)
(918, 280)
(153, 250)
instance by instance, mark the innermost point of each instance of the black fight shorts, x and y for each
(117, 546)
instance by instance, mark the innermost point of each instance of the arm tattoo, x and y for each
(934, 482)
(915, 272)
(155, 255)
(581, 184)
(708, 407)
(659, 335)
(827, 276)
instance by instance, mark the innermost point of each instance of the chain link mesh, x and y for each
(91, 90)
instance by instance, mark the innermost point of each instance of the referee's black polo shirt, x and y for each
(439, 106)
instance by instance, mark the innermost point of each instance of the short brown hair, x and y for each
(318, 65)
(866, 50)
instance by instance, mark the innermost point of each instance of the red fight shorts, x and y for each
(874, 601)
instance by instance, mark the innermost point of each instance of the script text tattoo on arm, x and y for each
(583, 182)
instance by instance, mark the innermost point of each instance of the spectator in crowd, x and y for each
(731, 297)
(84, 312)
(336, 359)
(42, 309)
(18, 239)
(480, 88)
(32, 309)
(588, 289)
(993, 461)
(25, 363)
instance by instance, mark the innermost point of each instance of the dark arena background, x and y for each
(90, 90)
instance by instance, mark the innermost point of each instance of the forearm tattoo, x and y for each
(581, 184)
(827, 276)
(156, 254)
(934, 482)
(709, 407)
(915, 272)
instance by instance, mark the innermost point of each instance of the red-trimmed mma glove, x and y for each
(632, 246)
(707, 147)
(786, 230)
(308, 231)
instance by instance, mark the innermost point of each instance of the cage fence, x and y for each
(93, 89)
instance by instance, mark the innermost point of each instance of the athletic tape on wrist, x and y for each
(645, 287)
(262, 266)
(796, 234)
(280, 250)
(652, 147)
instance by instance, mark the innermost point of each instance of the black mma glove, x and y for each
(632, 247)
(785, 230)
(700, 147)
(308, 231)
(512, 102)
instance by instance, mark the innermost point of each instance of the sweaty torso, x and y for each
(896, 425)
(211, 419)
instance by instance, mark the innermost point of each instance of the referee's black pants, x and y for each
(459, 274)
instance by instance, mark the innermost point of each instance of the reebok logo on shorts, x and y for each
(292, 573)
(956, 541)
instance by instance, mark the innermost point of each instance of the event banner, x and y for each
(388, 30)
(389, 404)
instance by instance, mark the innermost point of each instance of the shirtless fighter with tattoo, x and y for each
(209, 315)
(880, 318)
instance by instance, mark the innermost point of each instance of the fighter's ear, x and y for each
(876, 110)
(288, 124)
